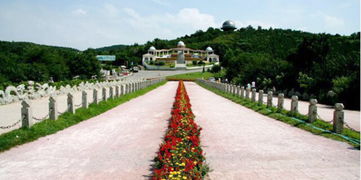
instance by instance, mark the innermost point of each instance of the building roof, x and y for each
(181, 44)
(209, 49)
(152, 48)
(148, 55)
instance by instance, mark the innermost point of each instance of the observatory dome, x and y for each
(229, 26)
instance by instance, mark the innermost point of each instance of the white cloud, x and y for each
(196, 19)
(80, 12)
(168, 25)
(333, 22)
(161, 2)
(111, 10)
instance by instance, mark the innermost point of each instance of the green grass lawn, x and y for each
(190, 76)
(294, 120)
(46, 127)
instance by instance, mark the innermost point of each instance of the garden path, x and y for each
(242, 144)
(118, 144)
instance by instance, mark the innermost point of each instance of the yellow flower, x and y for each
(184, 177)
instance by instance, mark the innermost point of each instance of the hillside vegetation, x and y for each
(22, 61)
(322, 66)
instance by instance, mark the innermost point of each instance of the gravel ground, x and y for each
(118, 144)
(242, 144)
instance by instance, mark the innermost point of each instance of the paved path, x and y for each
(118, 144)
(11, 113)
(242, 144)
(157, 73)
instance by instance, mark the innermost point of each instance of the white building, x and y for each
(173, 54)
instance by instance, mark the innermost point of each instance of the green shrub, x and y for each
(159, 63)
(216, 69)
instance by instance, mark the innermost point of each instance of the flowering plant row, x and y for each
(180, 155)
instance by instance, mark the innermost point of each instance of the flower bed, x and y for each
(180, 155)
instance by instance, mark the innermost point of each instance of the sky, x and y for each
(83, 24)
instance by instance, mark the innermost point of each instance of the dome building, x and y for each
(152, 49)
(209, 50)
(173, 55)
(229, 26)
(181, 44)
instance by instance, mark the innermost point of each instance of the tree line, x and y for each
(322, 66)
(23, 61)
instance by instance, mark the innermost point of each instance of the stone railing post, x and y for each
(71, 108)
(254, 95)
(260, 97)
(247, 92)
(26, 114)
(53, 108)
(242, 92)
(84, 99)
(281, 98)
(122, 89)
(95, 96)
(312, 110)
(234, 90)
(117, 92)
(111, 92)
(338, 118)
(127, 88)
(104, 93)
(294, 104)
(269, 99)
(238, 91)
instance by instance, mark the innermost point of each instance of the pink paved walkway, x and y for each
(118, 144)
(242, 144)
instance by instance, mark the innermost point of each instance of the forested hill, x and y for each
(111, 48)
(22, 61)
(323, 66)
